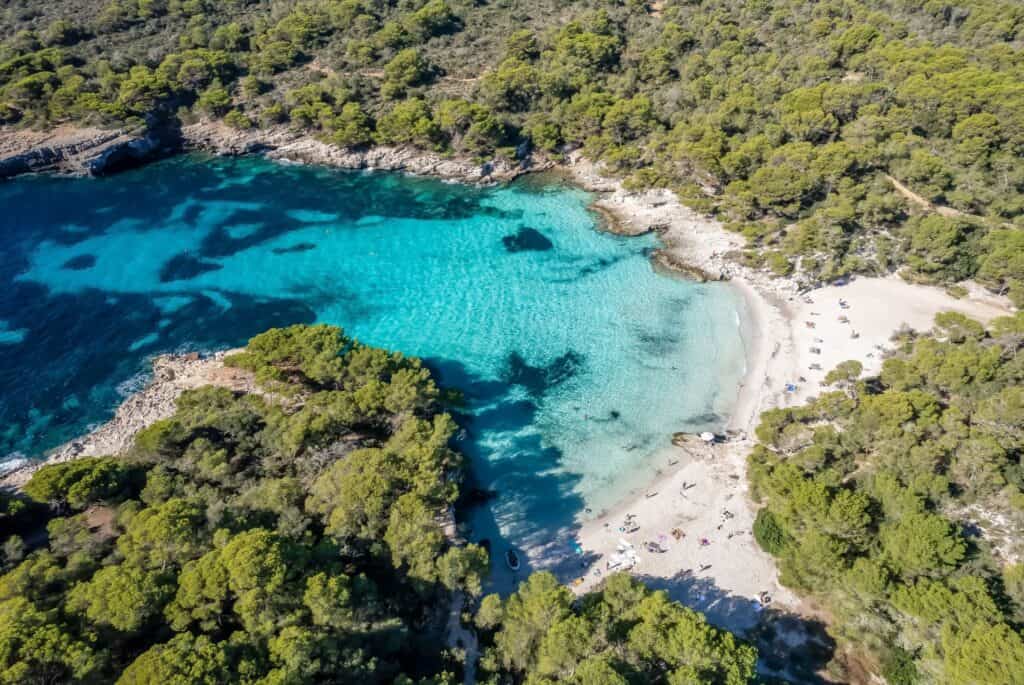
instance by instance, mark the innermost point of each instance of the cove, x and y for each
(577, 361)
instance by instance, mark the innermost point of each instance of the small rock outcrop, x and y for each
(76, 151)
(667, 262)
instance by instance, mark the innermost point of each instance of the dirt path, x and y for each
(459, 637)
(923, 203)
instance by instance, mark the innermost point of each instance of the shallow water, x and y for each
(578, 361)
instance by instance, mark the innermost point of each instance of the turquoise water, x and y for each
(578, 361)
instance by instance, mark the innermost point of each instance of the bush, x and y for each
(81, 482)
(769, 533)
(779, 264)
(898, 668)
(236, 119)
(410, 121)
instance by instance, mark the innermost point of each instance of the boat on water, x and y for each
(512, 559)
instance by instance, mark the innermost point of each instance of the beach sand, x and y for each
(726, 577)
(877, 307)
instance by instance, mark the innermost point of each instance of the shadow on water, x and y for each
(791, 647)
(539, 522)
(75, 343)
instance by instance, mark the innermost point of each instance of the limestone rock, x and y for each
(283, 143)
(76, 151)
(670, 263)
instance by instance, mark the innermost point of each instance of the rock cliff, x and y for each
(78, 151)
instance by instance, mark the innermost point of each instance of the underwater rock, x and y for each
(537, 380)
(527, 239)
(184, 266)
(298, 247)
(80, 263)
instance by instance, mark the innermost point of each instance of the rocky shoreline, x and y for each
(695, 246)
(284, 143)
(172, 375)
(96, 152)
(71, 150)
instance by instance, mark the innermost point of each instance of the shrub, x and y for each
(81, 482)
(769, 533)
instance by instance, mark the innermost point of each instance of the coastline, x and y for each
(172, 375)
(724, 578)
(85, 151)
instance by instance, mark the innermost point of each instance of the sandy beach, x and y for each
(697, 509)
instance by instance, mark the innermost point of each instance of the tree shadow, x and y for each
(791, 647)
(534, 502)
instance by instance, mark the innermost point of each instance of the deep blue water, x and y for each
(578, 361)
